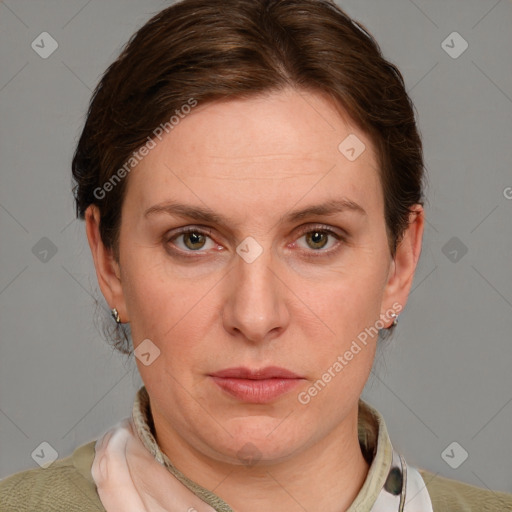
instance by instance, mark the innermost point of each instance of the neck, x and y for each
(326, 476)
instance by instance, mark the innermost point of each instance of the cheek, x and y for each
(341, 361)
(347, 299)
(349, 309)
(171, 312)
(148, 297)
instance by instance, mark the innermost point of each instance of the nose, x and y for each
(255, 308)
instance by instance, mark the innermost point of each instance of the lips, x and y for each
(256, 385)
(270, 372)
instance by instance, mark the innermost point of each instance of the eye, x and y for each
(320, 239)
(191, 239)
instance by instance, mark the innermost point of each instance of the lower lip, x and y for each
(256, 391)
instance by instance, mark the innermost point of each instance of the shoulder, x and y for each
(66, 486)
(447, 494)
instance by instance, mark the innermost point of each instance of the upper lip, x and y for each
(269, 372)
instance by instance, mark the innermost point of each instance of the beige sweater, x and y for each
(67, 485)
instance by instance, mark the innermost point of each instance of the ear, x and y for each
(108, 270)
(403, 265)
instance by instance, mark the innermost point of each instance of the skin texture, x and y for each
(253, 161)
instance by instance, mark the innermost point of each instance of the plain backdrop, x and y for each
(445, 377)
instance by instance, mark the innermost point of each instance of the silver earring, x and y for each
(394, 316)
(115, 315)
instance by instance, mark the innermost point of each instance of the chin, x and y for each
(260, 440)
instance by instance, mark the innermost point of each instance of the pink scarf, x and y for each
(129, 479)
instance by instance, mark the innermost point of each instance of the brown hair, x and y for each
(208, 50)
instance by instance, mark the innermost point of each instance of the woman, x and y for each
(250, 175)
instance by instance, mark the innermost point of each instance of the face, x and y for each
(248, 239)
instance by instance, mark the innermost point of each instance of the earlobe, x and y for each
(405, 260)
(107, 268)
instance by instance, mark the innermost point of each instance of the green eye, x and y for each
(317, 239)
(191, 239)
(194, 240)
(321, 240)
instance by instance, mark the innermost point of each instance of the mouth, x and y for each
(258, 386)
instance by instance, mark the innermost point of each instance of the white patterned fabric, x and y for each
(129, 479)
(404, 489)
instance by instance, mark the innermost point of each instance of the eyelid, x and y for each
(322, 227)
(174, 233)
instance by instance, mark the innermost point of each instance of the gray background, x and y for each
(444, 377)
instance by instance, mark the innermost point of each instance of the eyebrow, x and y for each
(205, 214)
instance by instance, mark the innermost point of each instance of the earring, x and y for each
(115, 315)
(394, 316)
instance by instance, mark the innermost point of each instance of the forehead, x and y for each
(266, 151)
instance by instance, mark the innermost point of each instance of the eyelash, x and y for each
(310, 229)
